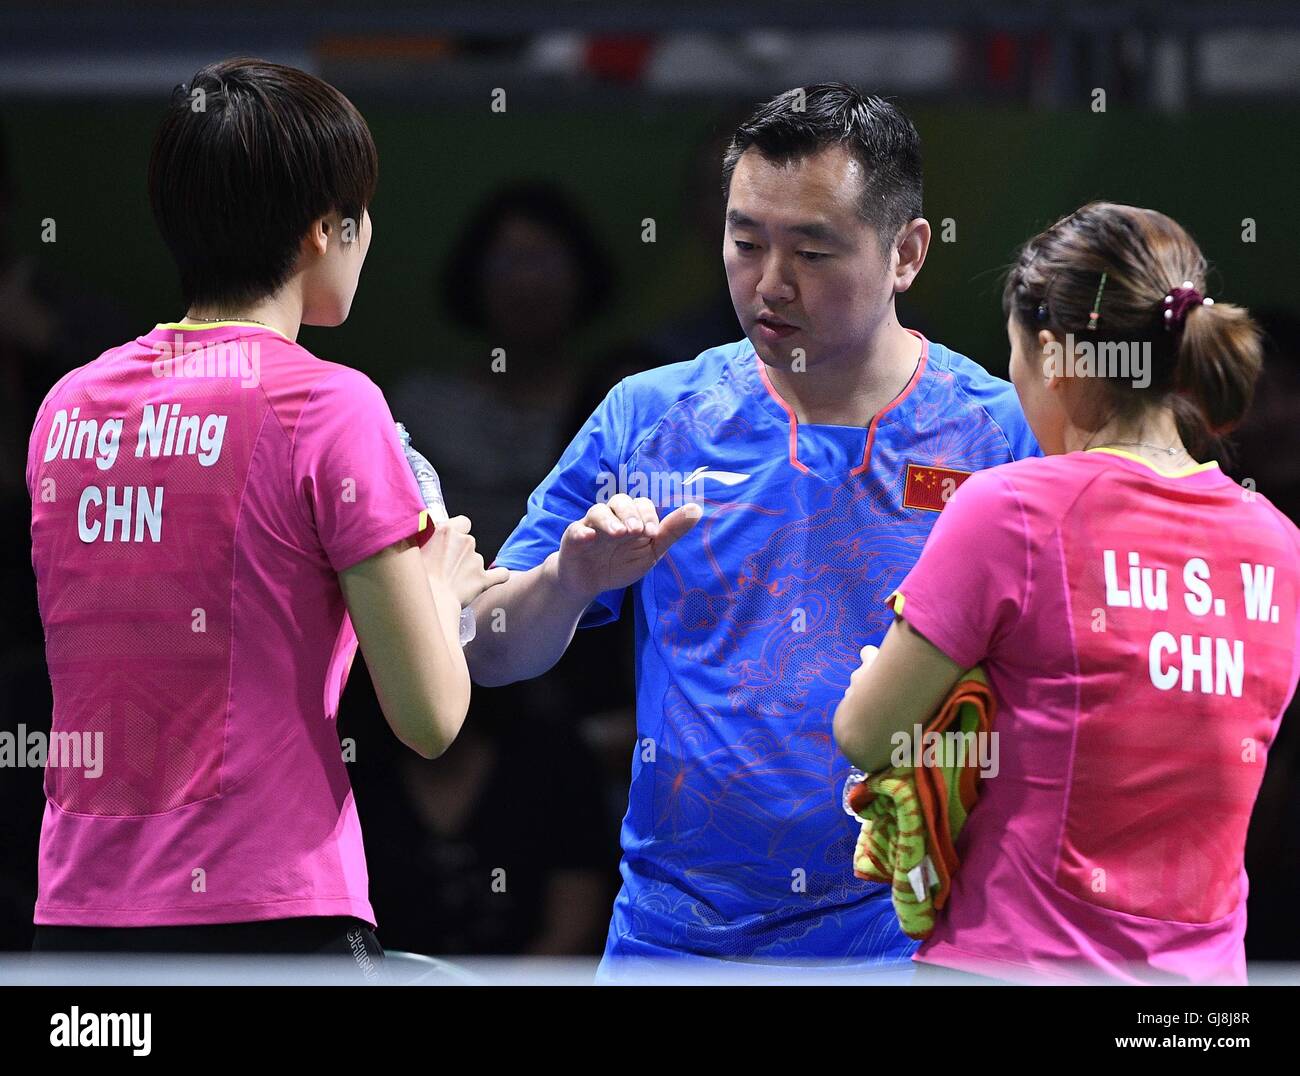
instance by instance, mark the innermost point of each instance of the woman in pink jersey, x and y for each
(1135, 611)
(218, 517)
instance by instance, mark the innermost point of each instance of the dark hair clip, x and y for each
(1179, 301)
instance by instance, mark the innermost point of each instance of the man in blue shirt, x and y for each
(760, 502)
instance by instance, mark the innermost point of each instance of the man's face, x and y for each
(805, 271)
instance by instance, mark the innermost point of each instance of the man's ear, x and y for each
(910, 246)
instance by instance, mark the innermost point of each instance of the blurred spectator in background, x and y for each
(499, 847)
(46, 328)
(1268, 455)
(1268, 441)
(709, 318)
(526, 275)
(519, 792)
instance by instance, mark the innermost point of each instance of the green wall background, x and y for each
(1000, 174)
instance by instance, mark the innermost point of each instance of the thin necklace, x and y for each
(1171, 450)
(227, 317)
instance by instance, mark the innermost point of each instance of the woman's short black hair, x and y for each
(247, 156)
(541, 202)
(806, 120)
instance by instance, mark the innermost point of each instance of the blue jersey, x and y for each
(735, 844)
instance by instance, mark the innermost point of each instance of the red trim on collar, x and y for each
(907, 391)
(875, 421)
(789, 414)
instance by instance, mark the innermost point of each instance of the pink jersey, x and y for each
(195, 494)
(1140, 634)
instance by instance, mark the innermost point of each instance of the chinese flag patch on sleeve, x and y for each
(931, 487)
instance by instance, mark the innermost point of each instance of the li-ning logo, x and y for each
(727, 478)
(667, 489)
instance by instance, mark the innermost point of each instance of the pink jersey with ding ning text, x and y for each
(195, 493)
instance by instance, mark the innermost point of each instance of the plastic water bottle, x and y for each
(855, 778)
(431, 490)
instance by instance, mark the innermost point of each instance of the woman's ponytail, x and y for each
(1218, 360)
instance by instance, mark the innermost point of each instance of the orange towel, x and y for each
(912, 815)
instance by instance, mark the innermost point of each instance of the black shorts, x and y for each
(340, 935)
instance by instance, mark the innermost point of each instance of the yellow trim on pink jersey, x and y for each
(1194, 469)
(215, 325)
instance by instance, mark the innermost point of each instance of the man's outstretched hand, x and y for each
(617, 542)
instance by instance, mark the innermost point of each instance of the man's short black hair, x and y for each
(240, 170)
(807, 120)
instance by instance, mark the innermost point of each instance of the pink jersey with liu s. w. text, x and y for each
(1139, 631)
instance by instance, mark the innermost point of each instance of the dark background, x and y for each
(618, 110)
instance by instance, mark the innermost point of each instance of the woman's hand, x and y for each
(898, 686)
(451, 560)
(859, 677)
